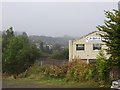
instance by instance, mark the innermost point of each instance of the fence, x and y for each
(44, 61)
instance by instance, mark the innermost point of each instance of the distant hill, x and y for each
(63, 41)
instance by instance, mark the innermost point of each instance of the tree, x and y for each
(19, 54)
(6, 36)
(112, 35)
(41, 46)
(57, 47)
(61, 54)
(102, 66)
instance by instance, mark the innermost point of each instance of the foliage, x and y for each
(74, 71)
(111, 34)
(71, 71)
(6, 36)
(60, 54)
(46, 71)
(102, 66)
(63, 71)
(79, 71)
(18, 54)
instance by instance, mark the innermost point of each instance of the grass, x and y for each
(63, 82)
(53, 82)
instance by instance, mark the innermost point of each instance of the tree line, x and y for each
(17, 52)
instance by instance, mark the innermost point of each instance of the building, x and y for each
(87, 47)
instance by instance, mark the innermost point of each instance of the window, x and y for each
(96, 46)
(79, 46)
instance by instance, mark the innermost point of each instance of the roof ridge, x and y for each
(85, 35)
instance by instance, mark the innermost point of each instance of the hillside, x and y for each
(51, 40)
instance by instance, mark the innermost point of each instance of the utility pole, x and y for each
(119, 5)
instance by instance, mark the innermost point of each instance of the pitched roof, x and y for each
(85, 35)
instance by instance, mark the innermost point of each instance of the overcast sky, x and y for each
(55, 18)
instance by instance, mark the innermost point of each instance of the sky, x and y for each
(55, 18)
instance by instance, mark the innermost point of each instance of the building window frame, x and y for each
(80, 47)
(96, 46)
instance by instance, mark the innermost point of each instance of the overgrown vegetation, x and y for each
(75, 71)
(17, 53)
(102, 66)
(79, 72)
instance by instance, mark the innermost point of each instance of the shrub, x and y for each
(79, 71)
(102, 66)
(75, 71)
(45, 71)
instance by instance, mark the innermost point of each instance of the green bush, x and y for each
(102, 67)
(79, 71)
(75, 71)
(46, 71)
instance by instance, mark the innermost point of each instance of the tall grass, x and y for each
(75, 70)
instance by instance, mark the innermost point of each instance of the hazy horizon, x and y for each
(55, 19)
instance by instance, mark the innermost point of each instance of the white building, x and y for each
(87, 47)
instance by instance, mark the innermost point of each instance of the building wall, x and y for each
(88, 52)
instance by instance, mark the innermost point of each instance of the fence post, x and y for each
(41, 62)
